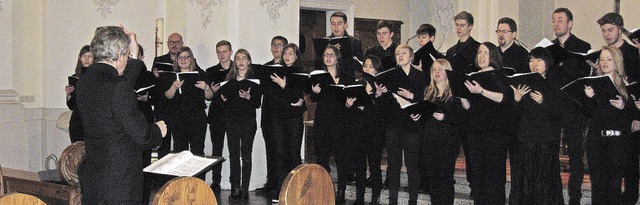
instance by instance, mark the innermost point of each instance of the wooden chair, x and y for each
(307, 184)
(185, 190)
(20, 199)
(70, 160)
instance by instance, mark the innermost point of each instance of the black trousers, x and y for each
(488, 158)
(606, 157)
(329, 136)
(409, 141)
(287, 135)
(270, 146)
(574, 125)
(217, 131)
(630, 194)
(368, 151)
(148, 178)
(189, 133)
(240, 136)
(440, 151)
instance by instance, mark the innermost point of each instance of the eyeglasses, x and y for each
(184, 57)
(328, 55)
(276, 45)
(174, 42)
(503, 31)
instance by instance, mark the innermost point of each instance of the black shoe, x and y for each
(351, 178)
(358, 202)
(275, 199)
(244, 195)
(266, 189)
(235, 194)
(374, 201)
(340, 196)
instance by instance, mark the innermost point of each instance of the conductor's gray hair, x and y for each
(109, 43)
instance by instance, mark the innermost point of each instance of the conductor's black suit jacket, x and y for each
(116, 133)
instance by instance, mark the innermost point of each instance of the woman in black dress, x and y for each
(85, 59)
(328, 128)
(486, 126)
(540, 107)
(442, 132)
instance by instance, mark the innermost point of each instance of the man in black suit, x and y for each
(513, 55)
(422, 59)
(116, 130)
(385, 49)
(573, 122)
(611, 25)
(462, 55)
(164, 63)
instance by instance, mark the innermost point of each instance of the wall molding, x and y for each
(273, 9)
(8, 96)
(104, 6)
(206, 10)
(326, 5)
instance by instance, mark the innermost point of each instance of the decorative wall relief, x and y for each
(444, 11)
(206, 10)
(104, 6)
(273, 8)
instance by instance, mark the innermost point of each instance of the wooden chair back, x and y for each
(185, 190)
(70, 160)
(20, 199)
(307, 184)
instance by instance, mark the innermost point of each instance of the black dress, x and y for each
(116, 133)
(537, 148)
(76, 132)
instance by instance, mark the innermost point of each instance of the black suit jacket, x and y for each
(116, 132)
(574, 44)
(516, 57)
(465, 62)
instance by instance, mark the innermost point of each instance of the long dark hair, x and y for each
(544, 55)
(338, 59)
(495, 60)
(296, 51)
(85, 49)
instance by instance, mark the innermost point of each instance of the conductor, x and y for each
(116, 130)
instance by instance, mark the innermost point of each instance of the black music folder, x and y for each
(231, 88)
(162, 66)
(345, 45)
(533, 79)
(73, 80)
(603, 88)
(316, 77)
(388, 78)
(357, 91)
(425, 108)
(457, 79)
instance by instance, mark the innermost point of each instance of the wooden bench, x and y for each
(308, 184)
(185, 190)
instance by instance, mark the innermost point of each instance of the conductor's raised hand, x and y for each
(246, 94)
(133, 45)
(163, 128)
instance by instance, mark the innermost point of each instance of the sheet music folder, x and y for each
(183, 164)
